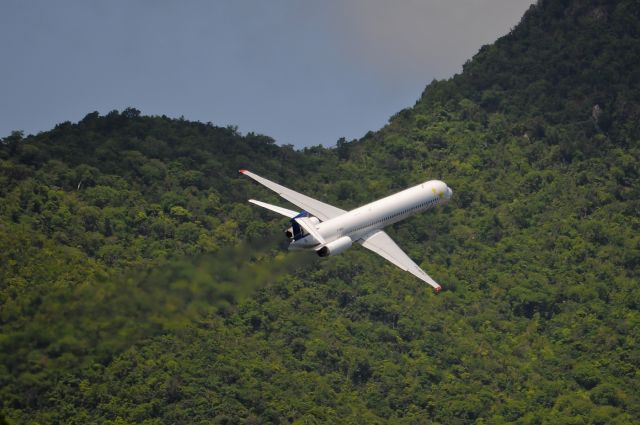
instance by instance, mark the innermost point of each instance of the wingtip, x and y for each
(243, 171)
(438, 289)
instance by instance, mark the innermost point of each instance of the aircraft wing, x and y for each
(319, 209)
(380, 243)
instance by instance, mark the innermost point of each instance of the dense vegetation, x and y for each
(138, 286)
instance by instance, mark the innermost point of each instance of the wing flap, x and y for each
(380, 243)
(319, 209)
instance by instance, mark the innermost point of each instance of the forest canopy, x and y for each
(137, 285)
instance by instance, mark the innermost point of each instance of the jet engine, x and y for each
(335, 247)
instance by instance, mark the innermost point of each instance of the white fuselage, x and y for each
(364, 220)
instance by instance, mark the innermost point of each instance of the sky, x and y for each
(303, 72)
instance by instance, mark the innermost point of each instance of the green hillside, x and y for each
(137, 285)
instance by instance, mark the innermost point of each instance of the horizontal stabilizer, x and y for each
(285, 212)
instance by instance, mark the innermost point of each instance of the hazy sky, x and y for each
(302, 72)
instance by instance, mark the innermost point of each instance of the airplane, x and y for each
(329, 230)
